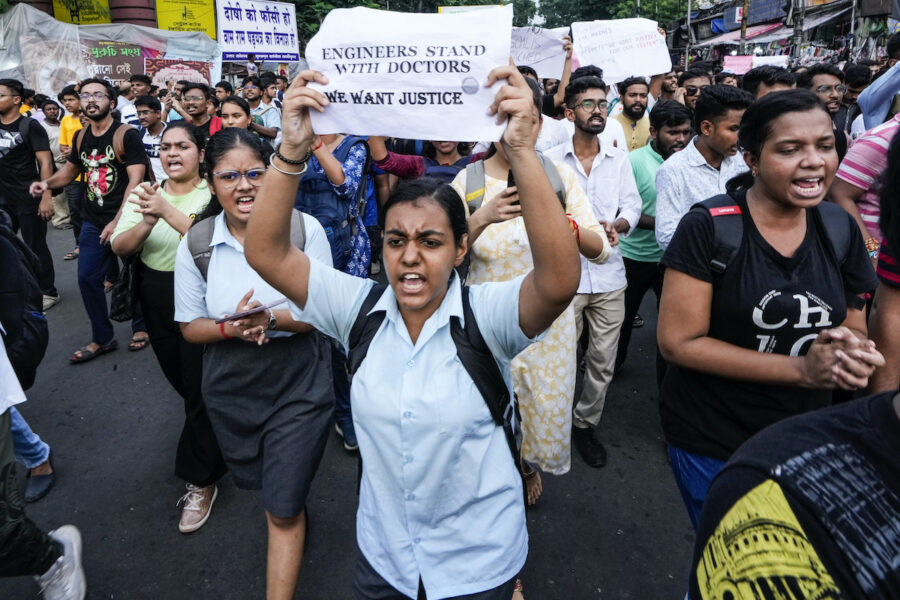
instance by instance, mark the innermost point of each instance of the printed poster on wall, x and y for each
(622, 48)
(418, 76)
(266, 29)
(81, 12)
(113, 61)
(541, 49)
(162, 70)
(187, 15)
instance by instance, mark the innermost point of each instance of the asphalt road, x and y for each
(619, 532)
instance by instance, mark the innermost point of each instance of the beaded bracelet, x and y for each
(292, 161)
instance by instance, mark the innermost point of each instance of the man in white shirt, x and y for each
(149, 112)
(709, 161)
(605, 174)
(125, 104)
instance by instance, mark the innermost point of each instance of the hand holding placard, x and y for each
(297, 133)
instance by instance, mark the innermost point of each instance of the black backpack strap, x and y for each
(837, 224)
(199, 237)
(728, 229)
(479, 363)
(364, 329)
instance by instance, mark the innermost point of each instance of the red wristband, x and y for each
(321, 143)
(222, 331)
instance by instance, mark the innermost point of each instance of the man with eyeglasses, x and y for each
(109, 179)
(195, 97)
(270, 116)
(690, 84)
(604, 173)
(24, 158)
(827, 81)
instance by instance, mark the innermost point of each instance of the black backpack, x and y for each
(728, 229)
(26, 349)
(473, 353)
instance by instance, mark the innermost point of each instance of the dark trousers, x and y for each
(94, 261)
(641, 277)
(75, 198)
(198, 459)
(341, 381)
(34, 232)
(369, 585)
(24, 549)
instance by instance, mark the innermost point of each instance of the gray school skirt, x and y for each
(271, 409)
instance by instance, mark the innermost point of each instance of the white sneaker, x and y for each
(50, 302)
(198, 503)
(65, 579)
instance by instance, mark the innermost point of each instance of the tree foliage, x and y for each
(561, 13)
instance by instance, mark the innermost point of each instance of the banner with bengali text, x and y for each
(187, 15)
(81, 12)
(267, 30)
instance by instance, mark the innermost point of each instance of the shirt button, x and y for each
(417, 540)
(410, 497)
(408, 459)
(407, 414)
(410, 363)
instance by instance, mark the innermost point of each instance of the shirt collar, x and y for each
(450, 307)
(570, 148)
(221, 234)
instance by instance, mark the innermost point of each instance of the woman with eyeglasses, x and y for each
(152, 224)
(266, 377)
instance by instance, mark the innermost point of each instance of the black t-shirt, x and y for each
(809, 508)
(549, 108)
(106, 177)
(18, 165)
(765, 302)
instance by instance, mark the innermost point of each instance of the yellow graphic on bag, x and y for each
(759, 550)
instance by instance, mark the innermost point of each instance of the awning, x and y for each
(734, 37)
(808, 23)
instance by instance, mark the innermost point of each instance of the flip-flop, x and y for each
(71, 255)
(138, 343)
(87, 355)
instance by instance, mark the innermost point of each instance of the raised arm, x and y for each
(268, 246)
(560, 94)
(549, 288)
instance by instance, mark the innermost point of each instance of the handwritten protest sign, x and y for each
(265, 29)
(622, 48)
(419, 76)
(739, 64)
(541, 49)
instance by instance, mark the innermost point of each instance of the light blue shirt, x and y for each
(229, 275)
(440, 496)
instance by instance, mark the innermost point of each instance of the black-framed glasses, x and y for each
(94, 96)
(590, 105)
(827, 89)
(230, 179)
(693, 90)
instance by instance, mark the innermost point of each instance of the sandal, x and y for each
(138, 343)
(532, 480)
(518, 591)
(637, 322)
(72, 255)
(87, 355)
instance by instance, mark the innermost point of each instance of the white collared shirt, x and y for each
(440, 495)
(229, 276)
(685, 179)
(613, 194)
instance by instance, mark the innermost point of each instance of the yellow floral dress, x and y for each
(544, 374)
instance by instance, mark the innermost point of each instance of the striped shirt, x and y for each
(863, 167)
(888, 269)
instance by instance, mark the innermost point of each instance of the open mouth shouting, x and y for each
(412, 283)
(809, 187)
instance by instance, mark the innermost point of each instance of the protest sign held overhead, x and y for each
(541, 49)
(622, 48)
(418, 76)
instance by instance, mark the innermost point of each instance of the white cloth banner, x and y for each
(266, 29)
(541, 49)
(622, 48)
(416, 76)
(779, 61)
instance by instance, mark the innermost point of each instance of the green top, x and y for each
(158, 252)
(641, 244)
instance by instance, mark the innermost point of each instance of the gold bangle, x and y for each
(301, 172)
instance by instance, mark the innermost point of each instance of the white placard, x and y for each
(417, 76)
(622, 48)
(267, 30)
(778, 61)
(541, 49)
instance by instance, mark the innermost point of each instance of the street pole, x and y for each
(687, 50)
(799, 10)
(744, 26)
(852, 25)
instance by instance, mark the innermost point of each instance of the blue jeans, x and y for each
(93, 263)
(693, 474)
(28, 447)
(341, 382)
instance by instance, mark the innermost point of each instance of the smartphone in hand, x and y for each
(511, 182)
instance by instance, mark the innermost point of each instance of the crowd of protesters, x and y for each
(425, 298)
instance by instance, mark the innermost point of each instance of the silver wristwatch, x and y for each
(273, 322)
